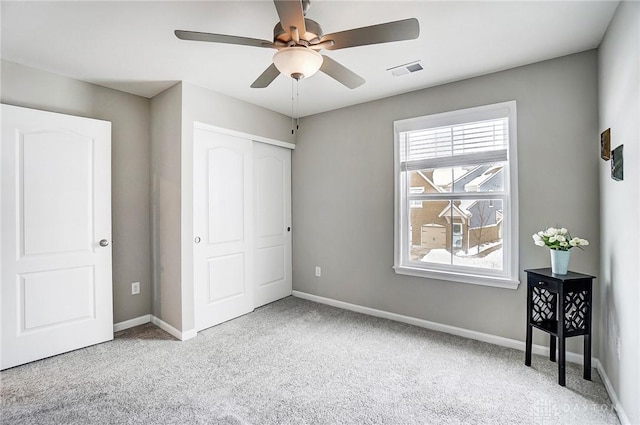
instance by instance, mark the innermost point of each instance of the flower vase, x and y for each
(559, 261)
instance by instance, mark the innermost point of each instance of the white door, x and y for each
(223, 226)
(272, 204)
(56, 234)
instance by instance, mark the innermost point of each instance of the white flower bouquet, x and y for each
(558, 239)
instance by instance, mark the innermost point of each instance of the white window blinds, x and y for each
(468, 143)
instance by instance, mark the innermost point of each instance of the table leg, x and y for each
(561, 339)
(587, 357)
(552, 348)
(561, 362)
(527, 348)
(587, 336)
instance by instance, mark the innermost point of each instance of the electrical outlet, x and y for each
(618, 347)
(135, 288)
(318, 271)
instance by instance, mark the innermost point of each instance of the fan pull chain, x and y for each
(297, 105)
(292, 108)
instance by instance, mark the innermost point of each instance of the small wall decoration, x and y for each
(605, 144)
(617, 163)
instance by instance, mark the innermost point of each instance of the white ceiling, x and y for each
(130, 46)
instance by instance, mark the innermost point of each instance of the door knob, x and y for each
(104, 242)
(197, 239)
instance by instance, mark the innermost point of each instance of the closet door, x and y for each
(56, 234)
(272, 206)
(223, 227)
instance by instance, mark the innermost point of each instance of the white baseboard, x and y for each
(182, 336)
(189, 334)
(434, 326)
(120, 326)
(622, 416)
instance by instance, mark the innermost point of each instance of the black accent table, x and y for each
(548, 294)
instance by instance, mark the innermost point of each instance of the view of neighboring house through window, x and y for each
(456, 199)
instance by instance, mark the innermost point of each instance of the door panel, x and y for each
(225, 170)
(226, 277)
(270, 183)
(272, 176)
(271, 264)
(43, 293)
(68, 222)
(56, 207)
(223, 223)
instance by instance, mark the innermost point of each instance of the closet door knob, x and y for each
(104, 242)
(197, 239)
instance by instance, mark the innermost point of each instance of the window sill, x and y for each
(472, 279)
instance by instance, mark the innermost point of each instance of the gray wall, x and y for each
(619, 102)
(166, 136)
(343, 194)
(216, 109)
(129, 115)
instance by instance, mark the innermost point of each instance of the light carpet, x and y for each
(299, 362)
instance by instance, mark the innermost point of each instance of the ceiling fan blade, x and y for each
(406, 29)
(340, 73)
(266, 77)
(291, 15)
(222, 38)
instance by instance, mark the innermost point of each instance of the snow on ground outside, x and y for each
(474, 250)
(492, 260)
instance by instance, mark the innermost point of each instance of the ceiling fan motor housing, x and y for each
(314, 32)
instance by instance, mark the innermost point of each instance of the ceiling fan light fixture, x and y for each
(297, 62)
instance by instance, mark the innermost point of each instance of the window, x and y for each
(456, 196)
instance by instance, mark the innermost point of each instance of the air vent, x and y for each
(407, 68)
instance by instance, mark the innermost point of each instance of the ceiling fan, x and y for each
(297, 40)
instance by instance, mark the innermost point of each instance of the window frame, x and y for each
(509, 276)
